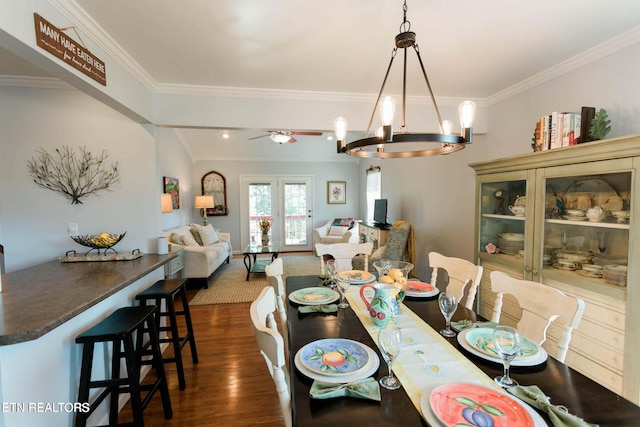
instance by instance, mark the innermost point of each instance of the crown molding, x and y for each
(103, 40)
(349, 159)
(34, 82)
(282, 94)
(600, 51)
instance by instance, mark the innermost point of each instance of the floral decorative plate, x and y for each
(420, 289)
(482, 340)
(355, 276)
(313, 296)
(529, 358)
(457, 404)
(334, 356)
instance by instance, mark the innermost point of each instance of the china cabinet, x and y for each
(566, 217)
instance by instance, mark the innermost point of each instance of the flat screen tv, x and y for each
(380, 211)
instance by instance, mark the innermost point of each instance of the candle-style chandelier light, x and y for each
(405, 144)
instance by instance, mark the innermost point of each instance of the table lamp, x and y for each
(203, 202)
(166, 203)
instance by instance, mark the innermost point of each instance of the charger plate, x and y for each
(334, 356)
(420, 290)
(372, 365)
(356, 276)
(472, 340)
(443, 405)
(314, 296)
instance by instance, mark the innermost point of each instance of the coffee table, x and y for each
(251, 252)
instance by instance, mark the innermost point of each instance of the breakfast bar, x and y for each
(44, 308)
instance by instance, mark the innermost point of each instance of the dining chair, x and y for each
(271, 346)
(463, 275)
(343, 253)
(274, 272)
(541, 304)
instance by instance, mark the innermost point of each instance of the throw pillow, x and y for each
(337, 230)
(208, 235)
(175, 238)
(196, 235)
(378, 254)
(188, 240)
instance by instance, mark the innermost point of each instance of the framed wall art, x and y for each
(336, 192)
(214, 184)
(172, 187)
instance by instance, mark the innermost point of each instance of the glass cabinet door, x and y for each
(586, 226)
(506, 220)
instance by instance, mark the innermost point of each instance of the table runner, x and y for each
(427, 359)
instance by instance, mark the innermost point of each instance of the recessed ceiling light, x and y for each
(225, 135)
(330, 138)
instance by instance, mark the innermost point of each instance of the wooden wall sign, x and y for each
(57, 43)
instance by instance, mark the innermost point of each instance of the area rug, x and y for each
(228, 284)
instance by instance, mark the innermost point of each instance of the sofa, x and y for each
(338, 230)
(201, 256)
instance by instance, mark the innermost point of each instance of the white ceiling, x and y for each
(470, 48)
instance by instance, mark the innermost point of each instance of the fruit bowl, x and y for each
(394, 273)
(99, 241)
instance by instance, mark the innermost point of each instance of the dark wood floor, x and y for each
(230, 386)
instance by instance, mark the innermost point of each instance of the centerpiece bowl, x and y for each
(100, 241)
(394, 273)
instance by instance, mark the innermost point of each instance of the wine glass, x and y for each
(331, 272)
(343, 285)
(564, 238)
(602, 242)
(390, 340)
(448, 305)
(506, 342)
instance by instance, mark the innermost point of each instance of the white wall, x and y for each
(34, 220)
(610, 83)
(174, 161)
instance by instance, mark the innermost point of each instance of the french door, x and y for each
(287, 201)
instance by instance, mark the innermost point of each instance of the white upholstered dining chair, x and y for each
(271, 346)
(343, 253)
(541, 304)
(274, 272)
(462, 275)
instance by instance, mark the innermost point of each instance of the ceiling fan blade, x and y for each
(292, 140)
(257, 137)
(308, 133)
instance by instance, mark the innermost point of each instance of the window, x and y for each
(374, 178)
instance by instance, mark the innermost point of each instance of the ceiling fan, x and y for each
(286, 136)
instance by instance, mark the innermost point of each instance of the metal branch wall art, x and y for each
(73, 175)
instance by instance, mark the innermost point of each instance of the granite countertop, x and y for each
(38, 299)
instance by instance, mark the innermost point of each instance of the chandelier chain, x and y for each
(406, 24)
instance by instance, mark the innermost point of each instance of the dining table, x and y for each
(564, 386)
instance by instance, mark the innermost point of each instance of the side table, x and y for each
(173, 269)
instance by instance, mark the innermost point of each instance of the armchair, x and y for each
(339, 230)
(399, 247)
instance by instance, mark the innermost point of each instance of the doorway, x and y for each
(287, 201)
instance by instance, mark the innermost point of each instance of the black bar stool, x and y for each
(119, 329)
(167, 290)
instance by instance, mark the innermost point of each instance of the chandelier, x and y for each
(403, 144)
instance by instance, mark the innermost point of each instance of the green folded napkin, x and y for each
(367, 388)
(559, 415)
(330, 308)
